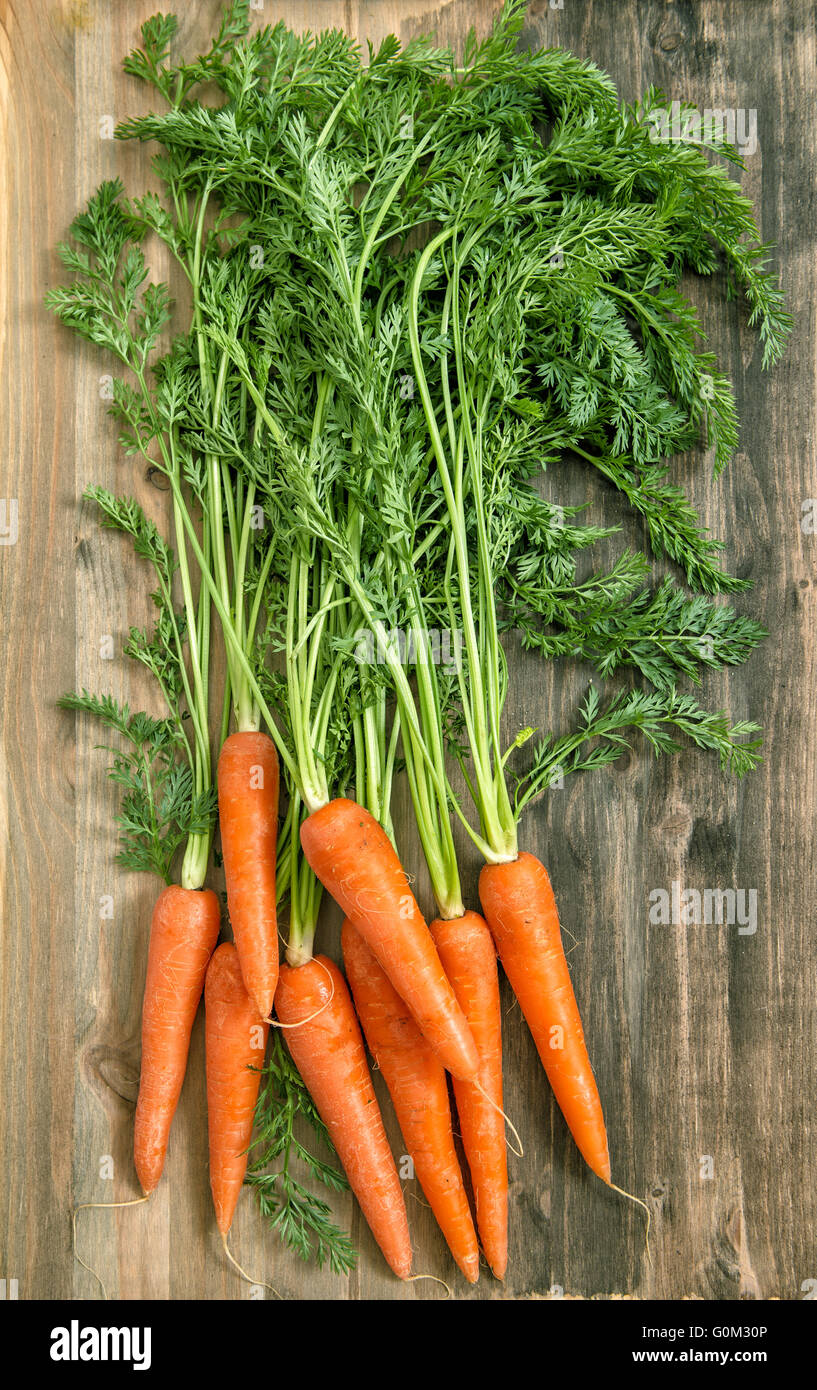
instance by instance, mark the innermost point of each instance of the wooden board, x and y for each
(704, 1040)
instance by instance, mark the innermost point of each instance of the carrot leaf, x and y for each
(301, 1218)
(159, 806)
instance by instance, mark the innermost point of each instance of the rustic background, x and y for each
(703, 1040)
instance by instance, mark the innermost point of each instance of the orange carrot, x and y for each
(354, 859)
(468, 955)
(183, 933)
(417, 1085)
(518, 902)
(329, 1054)
(236, 1040)
(248, 819)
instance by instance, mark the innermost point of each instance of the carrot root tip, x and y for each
(520, 1152)
(412, 1279)
(244, 1275)
(87, 1206)
(639, 1203)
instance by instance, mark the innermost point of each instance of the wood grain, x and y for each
(704, 1040)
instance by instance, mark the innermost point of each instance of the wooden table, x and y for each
(703, 1039)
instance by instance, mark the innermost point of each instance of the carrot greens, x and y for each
(302, 1219)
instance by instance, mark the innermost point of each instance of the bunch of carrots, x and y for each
(405, 303)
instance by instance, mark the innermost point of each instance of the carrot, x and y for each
(417, 1085)
(248, 818)
(355, 860)
(183, 933)
(468, 955)
(521, 910)
(324, 1038)
(236, 1040)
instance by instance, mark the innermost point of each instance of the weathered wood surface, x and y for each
(703, 1039)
